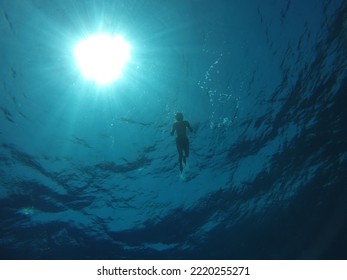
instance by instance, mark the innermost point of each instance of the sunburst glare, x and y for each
(102, 57)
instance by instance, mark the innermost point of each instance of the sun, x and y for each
(102, 57)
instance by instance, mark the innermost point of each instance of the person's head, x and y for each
(179, 117)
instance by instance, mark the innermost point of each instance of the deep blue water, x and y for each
(92, 173)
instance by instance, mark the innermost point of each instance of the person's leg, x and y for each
(180, 153)
(186, 148)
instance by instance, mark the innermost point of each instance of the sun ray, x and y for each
(102, 57)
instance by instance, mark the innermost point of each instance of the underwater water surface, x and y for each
(91, 172)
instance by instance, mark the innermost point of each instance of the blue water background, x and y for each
(92, 173)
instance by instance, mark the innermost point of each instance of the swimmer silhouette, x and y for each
(182, 141)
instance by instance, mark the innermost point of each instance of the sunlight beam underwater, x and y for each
(102, 57)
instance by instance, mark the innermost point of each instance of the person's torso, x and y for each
(181, 129)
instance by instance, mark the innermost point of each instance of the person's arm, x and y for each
(173, 129)
(190, 128)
